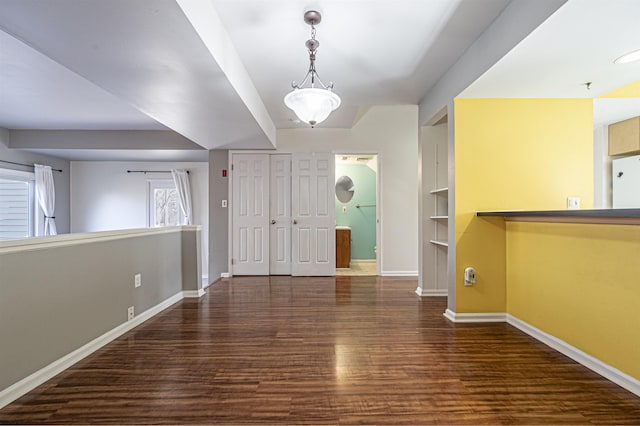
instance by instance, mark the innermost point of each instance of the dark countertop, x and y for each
(591, 213)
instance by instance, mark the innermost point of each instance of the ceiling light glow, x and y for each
(628, 57)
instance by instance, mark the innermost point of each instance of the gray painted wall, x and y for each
(515, 23)
(61, 180)
(191, 261)
(218, 216)
(123, 203)
(100, 139)
(53, 300)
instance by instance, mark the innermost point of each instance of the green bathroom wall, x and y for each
(361, 220)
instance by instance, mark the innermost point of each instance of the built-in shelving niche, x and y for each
(435, 208)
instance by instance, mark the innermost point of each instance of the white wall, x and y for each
(391, 132)
(602, 185)
(61, 180)
(105, 197)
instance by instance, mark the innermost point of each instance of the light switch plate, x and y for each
(573, 203)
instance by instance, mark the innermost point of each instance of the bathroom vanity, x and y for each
(343, 247)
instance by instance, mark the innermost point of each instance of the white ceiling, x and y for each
(159, 155)
(153, 65)
(38, 93)
(122, 65)
(577, 44)
(376, 52)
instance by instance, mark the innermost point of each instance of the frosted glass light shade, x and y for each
(312, 105)
(628, 57)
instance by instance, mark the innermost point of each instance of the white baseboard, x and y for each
(205, 281)
(363, 261)
(225, 275)
(193, 293)
(34, 380)
(431, 293)
(605, 370)
(399, 273)
(475, 317)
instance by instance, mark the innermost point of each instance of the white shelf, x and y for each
(439, 217)
(439, 243)
(439, 190)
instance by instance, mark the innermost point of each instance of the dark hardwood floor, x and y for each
(323, 350)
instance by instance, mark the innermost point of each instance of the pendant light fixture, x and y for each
(312, 104)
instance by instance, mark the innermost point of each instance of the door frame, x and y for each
(379, 218)
(230, 201)
(266, 228)
(379, 215)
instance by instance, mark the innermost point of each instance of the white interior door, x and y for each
(280, 224)
(313, 214)
(250, 214)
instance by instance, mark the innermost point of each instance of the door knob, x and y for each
(273, 221)
(295, 222)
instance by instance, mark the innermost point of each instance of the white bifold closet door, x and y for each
(283, 214)
(280, 224)
(250, 210)
(313, 214)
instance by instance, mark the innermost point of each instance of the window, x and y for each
(164, 206)
(17, 204)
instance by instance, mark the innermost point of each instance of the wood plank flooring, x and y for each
(339, 350)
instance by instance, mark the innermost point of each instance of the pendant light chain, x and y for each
(312, 55)
(312, 104)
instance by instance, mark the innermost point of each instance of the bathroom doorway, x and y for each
(357, 219)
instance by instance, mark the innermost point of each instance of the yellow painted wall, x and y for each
(513, 154)
(631, 90)
(580, 284)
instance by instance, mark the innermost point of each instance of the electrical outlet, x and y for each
(573, 203)
(137, 280)
(130, 313)
(469, 276)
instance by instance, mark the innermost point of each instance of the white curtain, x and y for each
(46, 196)
(181, 180)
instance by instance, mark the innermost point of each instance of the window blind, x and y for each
(14, 209)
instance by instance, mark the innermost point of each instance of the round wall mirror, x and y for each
(344, 189)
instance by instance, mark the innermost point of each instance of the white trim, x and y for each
(205, 281)
(34, 380)
(379, 217)
(431, 292)
(90, 237)
(358, 261)
(230, 173)
(475, 317)
(605, 370)
(399, 273)
(379, 209)
(18, 174)
(159, 183)
(33, 211)
(193, 293)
